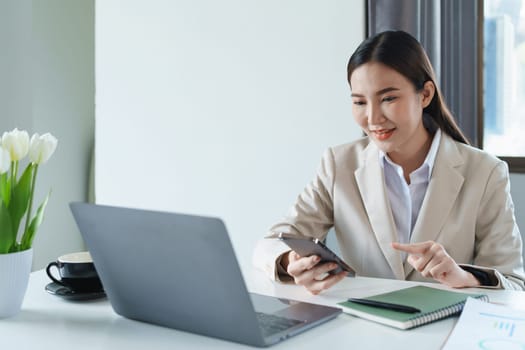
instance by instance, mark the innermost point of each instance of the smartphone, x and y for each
(305, 246)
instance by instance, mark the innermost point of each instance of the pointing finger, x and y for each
(414, 248)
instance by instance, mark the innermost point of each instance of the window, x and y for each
(504, 81)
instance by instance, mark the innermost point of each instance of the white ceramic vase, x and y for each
(14, 276)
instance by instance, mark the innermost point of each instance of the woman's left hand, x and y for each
(432, 260)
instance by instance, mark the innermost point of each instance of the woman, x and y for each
(412, 200)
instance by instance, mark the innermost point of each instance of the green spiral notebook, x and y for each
(435, 304)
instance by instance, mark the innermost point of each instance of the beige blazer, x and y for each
(467, 208)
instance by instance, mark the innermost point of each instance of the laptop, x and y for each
(180, 271)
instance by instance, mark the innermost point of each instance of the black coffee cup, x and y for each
(77, 272)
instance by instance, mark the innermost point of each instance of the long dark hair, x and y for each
(403, 53)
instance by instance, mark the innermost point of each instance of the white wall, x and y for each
(15, 64)
(220, 108)
(47, 85)
(63, 104)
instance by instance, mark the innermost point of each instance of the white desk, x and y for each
(48, 322)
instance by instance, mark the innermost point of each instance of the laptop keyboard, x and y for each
(272, 324)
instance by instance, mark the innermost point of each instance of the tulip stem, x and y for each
(32, 192)
(14, 171)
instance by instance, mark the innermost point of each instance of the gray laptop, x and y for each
(180, 271)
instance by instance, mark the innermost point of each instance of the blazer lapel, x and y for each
(370, 180)
(443, 189)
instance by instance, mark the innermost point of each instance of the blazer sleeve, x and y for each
(498, 247)
(311, 216)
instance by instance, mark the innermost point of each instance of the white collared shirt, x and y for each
(406, 199)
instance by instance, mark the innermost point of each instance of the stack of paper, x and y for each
(488, 326)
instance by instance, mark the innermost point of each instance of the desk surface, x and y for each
(49, 322)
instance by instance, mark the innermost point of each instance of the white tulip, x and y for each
(42, 147)
(5, 160)
(16, 142)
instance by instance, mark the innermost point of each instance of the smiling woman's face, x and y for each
(388, 108)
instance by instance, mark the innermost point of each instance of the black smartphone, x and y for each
(305, 246)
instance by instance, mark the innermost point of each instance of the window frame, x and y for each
(515, 164)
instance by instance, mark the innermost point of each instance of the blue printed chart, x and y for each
(488, 327)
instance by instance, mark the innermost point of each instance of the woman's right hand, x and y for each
(308, 273)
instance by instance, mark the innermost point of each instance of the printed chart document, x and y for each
(488, 326)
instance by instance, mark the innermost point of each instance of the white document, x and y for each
(488, 326)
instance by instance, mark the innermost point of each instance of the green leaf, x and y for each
(6, 230)
(5, 188)
(29, 235)
(20, 198)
